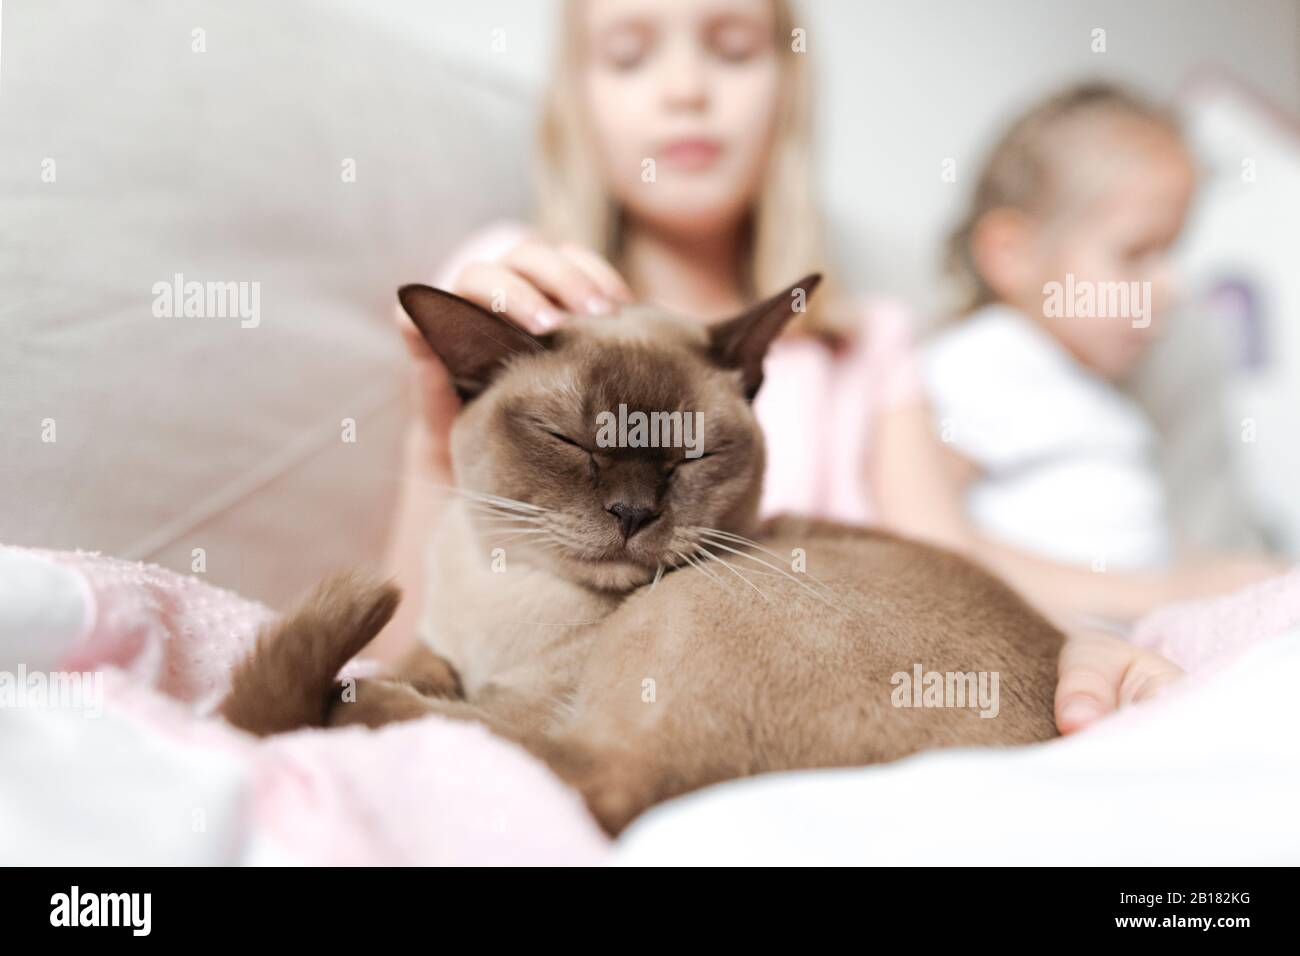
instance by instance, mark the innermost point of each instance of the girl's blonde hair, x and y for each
(1022, 171)
(783, 234)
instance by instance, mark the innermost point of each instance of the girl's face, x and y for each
(681, 96)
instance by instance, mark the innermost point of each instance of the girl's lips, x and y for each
(691, 153)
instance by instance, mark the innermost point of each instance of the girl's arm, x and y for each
(919, 487)
(426, 469)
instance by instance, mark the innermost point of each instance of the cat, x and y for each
(620, 611)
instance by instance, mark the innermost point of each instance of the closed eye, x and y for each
(564, 438)
(674, 465)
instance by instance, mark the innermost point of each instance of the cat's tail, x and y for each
(288, 679)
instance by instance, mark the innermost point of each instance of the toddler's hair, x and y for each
(1019, 172)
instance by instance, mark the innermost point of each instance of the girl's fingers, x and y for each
(559, 277)
(524, 287)
(599, 271)
(500, 289)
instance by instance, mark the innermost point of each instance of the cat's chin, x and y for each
(607, 574)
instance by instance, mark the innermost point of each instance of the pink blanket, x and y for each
(1207, 634)
(431, 791)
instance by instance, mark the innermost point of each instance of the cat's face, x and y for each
(601, 449)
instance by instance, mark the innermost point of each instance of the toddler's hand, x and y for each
(1099, 673)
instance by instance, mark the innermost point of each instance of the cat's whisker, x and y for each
(488, 516)
(553, 546)
(731, 535)
(741, 540)
(503, 542)
(511, 504)
(658, 576)
(505, 506)
(762, 571)
(815, 593)
(517, 532)
(499, 516)
(700, 567)
(484, 497)
(750, 542)
(710, 554)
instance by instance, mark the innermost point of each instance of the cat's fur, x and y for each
(636, 685)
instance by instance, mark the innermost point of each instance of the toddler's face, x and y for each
(1104, 274)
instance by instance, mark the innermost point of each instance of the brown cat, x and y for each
(616, 607)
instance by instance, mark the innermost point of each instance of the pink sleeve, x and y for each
(487, 245)
(887, 339)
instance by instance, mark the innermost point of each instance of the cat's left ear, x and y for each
(742, 343)
(472, 342)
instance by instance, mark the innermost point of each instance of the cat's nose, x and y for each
(630, 519)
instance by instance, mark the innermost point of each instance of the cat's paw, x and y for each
(429, 673)
(373, 703)
(616, 792)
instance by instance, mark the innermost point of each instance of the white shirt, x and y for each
(1067, 460)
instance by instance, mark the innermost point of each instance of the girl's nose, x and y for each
(685, 85)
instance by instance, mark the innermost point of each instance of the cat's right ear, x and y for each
(742, 343)
(472, 342)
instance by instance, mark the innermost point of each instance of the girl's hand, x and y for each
(1099, 673)
(529, 285)
(534, 281)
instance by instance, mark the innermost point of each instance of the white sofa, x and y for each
(227, 165)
